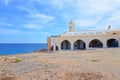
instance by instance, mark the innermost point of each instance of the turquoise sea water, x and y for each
(11, 49)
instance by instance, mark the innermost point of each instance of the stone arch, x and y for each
(95, 44)
(112, 42)
(52, 48)
(66, 45)
(79, 45)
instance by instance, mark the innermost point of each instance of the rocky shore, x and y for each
(99, 64)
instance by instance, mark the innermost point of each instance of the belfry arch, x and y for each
(79, 45)
(112, 43)
(96, 44)
(66, 45)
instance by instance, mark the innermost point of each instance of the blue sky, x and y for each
(32, 21)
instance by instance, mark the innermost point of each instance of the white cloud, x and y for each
(9, 32)
(84, 12)
(113, 17)
(7, 1)
(44, 33)
(25, 9)
(35, 14)
(32, 26)
(86, 23)
(19, 32)
(5, 24)
(37, 20)
(43, 16)
(89, 6)
(59, 4)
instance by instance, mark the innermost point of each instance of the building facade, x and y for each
(84, 39)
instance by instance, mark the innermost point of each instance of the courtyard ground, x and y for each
(95, 64)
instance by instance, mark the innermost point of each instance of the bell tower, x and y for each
(71, 26)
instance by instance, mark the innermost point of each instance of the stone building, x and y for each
(86, 39)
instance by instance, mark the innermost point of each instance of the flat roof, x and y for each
(89, 32)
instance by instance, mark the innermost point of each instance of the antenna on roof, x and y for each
(109, 27)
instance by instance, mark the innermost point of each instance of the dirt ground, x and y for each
(95, 64)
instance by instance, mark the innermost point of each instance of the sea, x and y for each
(20, 48)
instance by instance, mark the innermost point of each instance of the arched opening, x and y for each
(65, 45)
(96, 44)
(55, 48)
(51, 48)
(112, 43)
(79, 45)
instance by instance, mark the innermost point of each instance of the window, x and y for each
(114, 33)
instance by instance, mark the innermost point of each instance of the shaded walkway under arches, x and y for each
(79, 45)
(95, 44)
(66, 45)
(112, 43)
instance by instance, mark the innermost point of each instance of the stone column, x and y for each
(87, 45)
(54, 47)
(72, 46)
(104, 44)
(119, 42)
(59, 47)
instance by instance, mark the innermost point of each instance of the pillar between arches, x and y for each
(87, 45)
(59, 47)
(54, 47)
(72, 46)
(104, 44)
